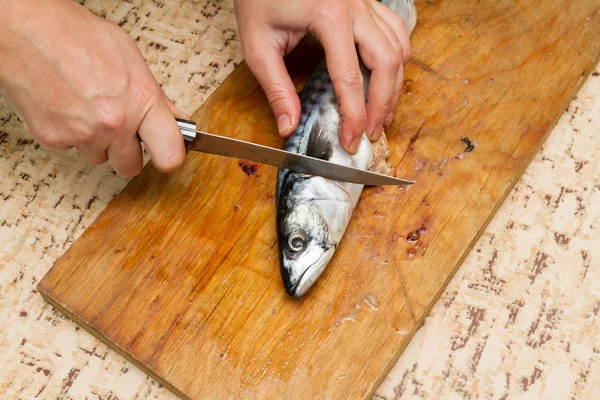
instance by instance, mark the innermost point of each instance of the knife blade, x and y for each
(225, 146)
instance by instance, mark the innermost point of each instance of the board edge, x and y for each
(421, 320)
(112, 345)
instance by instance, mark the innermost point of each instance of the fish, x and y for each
(313, 212)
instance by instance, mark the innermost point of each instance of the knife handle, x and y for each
(188, 130)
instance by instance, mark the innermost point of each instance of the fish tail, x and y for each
(406, 9)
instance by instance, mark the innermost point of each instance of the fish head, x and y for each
(312, 215)
(304, 247)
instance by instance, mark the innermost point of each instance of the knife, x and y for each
(225, 146)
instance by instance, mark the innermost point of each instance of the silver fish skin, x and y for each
(313, 212)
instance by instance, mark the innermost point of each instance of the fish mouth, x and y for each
(307, 281)
(292, 289)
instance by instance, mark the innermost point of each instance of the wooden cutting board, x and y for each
(180, 273)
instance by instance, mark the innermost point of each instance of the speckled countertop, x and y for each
(520, 320)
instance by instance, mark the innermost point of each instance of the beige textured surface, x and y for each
(520, 320)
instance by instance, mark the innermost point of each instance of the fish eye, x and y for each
(296, 242)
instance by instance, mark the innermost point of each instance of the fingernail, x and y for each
(376, 132)
(354, 144)
(283, 124)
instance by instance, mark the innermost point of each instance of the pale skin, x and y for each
(79, 81)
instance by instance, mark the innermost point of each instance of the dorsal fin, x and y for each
(319, 144)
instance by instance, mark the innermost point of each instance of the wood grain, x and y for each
(180, 273)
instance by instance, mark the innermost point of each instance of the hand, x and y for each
(78, 80)
(271, 29)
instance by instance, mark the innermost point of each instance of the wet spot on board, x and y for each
(162, 275)
(420, 165)
(249, 169)
(378, 190)
(444, 162)
(411, 253)
(371, 301)
(406, 88)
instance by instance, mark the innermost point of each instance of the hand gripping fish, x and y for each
(313, 212)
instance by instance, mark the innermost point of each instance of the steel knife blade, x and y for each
(225, 146)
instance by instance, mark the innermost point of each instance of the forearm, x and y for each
(23, 24)
(10, 19)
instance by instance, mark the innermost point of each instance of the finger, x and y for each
(396, 22)
(177, 113)
(397, 94)
(162, 137)
(395, 41)
(345, 73)
(96, 156)
(266, 63)
(381, 58)
(126, 157)
(47, 139)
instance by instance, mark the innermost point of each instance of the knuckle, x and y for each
(392, 60)
(145, 93)
(46, 137)
(397, 44)
(276, 95)
(406, 53)
(398, 92)
(356, 117)
(86, 134)
(50, 141)
(379, 108)
(351, 78)
(112, 117)
(334, 10)
(378, 112)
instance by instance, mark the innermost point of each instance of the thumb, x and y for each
(266, 63)
(162, 137)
